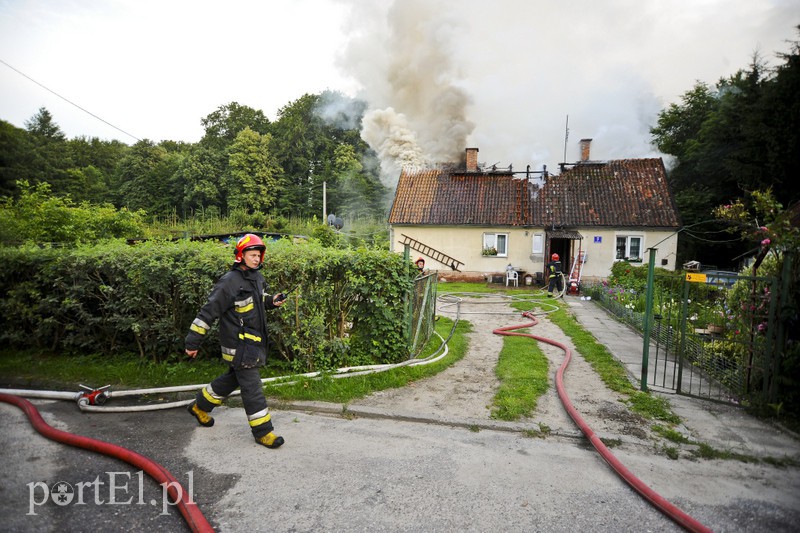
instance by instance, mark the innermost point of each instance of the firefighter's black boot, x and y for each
(270, 440)
(202, 417)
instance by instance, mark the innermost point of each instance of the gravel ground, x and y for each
(466, 390)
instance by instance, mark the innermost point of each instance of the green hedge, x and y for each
(348, 307)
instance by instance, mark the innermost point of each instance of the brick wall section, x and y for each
(586, 145)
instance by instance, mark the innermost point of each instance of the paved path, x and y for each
(721, 425)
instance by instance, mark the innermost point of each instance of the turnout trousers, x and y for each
(555, 283)
(255, 404)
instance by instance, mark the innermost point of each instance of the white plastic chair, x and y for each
(512, 275)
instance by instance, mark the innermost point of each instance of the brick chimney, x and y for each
(472, 159)
(585, 147)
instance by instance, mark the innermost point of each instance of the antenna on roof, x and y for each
(566, 138)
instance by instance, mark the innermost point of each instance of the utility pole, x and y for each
(324, 201)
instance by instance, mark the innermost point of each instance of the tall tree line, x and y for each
(244, 163)
(740, 136)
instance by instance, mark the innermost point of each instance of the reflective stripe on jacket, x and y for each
(238, 299)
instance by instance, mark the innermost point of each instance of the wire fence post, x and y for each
(648, 316)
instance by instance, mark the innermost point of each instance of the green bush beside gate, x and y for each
(348, 307)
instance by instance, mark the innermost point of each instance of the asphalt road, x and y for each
(334, 474)
(338, 473)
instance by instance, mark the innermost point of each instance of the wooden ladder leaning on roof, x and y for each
(424, 249)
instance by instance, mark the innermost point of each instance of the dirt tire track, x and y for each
(466, 389)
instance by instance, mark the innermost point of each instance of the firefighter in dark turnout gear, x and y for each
(239, 301)
(555, 276)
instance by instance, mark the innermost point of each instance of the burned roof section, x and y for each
(618, 193)
(440, 197)
(623, 192)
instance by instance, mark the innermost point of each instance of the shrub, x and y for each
(38, 216)
(348, 306)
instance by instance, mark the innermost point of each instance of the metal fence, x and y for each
(709, 340)
(421, 312)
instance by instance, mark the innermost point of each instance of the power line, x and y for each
(697, 237)
(68, 101)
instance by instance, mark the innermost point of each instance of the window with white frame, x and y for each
(629, 247)
(495, 244)
(538, 244)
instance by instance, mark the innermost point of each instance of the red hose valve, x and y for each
(94, 396)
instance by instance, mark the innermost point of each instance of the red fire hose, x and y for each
(673, 512)
(191, 513)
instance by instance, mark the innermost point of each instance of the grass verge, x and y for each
(613, 374)
(611, 370)
(329, 389)
(126, 371)
(522, 367)
(523, 372)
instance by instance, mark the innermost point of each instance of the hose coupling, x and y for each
(92, 396)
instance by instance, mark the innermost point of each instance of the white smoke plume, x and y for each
(504, 75)
(388, 133)
(409, 76)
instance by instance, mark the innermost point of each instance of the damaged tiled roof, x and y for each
(626, 192)
(439, 197)
(623, 192)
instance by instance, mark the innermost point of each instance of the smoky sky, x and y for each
(438, 75)
(506, 76)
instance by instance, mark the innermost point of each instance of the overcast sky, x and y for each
(500, 75)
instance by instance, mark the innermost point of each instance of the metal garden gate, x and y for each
(712, 340)
(421, 311)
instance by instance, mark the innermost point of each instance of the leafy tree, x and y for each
(780, 120)
(355, 192)
(308, 134)
(739, 137)
(39, 216)
(145, 178)
(200, 173)
(356, 189)
(42, 125)
(15, 157)
(679, 128)
(95, 162)
(316, 140)
(81, 168)
(300, 143)
(223, 125)
(50, 159)
(251, 181)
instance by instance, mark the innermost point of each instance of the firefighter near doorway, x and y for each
(555, 277)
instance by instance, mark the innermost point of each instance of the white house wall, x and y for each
(465, 244)
(600, 248)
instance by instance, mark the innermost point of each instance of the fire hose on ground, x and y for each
(92, 399)
(658, 501)
(89, 400)
(191, 513)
